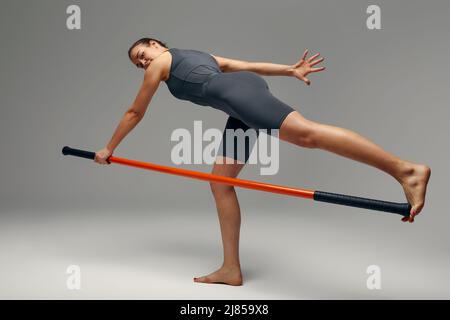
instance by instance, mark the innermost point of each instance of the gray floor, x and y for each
(319, 251)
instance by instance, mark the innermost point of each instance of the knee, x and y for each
(220, 188)
(307, 136)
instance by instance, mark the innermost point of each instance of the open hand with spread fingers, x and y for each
(305, 66)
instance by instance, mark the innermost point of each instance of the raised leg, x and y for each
(306, 133)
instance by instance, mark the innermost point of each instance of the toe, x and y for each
(201, 279)
(415, 211)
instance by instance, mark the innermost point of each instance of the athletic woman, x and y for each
(236, 87)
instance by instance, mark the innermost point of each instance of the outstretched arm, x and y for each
(270, 69)
(263, 68)
(299, 70)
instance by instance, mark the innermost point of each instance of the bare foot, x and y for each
(225, 275)
(414, 184)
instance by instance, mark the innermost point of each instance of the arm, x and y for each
(263, 68)
(136, 112)
(270, 69)
(299, 70)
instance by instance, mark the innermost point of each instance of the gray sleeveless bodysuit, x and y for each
(195, 76)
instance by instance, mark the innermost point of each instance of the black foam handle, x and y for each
(373, 204)
(78, 153)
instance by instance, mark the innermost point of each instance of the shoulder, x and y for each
(160, 67)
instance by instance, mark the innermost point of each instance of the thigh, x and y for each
(238, 150)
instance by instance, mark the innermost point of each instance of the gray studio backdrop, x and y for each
(70, 87)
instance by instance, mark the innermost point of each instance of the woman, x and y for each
(235, 87)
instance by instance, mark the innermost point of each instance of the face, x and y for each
(142, 55)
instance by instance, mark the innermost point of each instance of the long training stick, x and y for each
(402, 209)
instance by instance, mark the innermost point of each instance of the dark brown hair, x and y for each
(145, 41)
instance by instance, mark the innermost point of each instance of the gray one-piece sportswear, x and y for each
(195, 76)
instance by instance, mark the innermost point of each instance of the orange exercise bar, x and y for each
(335, 198)
(215, 178)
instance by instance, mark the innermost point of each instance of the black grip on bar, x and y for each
(78, 153)
(393, 207)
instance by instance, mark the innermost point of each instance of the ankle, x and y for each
(406, 170)
(231, 266)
